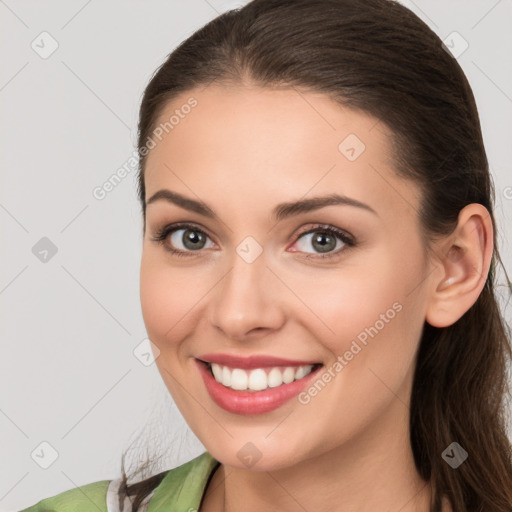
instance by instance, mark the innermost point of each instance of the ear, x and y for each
(465, 258)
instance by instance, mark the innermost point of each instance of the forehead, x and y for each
(274, 143)
(255, 120)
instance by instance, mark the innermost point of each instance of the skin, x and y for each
(242, 150)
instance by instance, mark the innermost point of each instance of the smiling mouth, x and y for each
(258, 379)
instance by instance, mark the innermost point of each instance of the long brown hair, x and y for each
(378, 57)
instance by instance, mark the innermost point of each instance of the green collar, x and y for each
(182, 488)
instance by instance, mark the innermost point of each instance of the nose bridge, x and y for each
(245, 297)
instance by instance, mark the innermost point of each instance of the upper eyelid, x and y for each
(175, 226)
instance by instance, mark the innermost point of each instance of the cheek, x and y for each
(368, 304)
(346, 300)
(166, 297)
(174, 300)
(374, 326)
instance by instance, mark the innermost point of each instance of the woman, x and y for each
(318, 269)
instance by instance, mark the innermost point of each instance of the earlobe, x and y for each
(465, 262)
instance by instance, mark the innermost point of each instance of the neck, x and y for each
(373, 471)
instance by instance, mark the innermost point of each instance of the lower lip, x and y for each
(252, 402)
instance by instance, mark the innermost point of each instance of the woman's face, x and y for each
(247, 281)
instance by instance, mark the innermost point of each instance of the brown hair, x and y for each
(378, 57)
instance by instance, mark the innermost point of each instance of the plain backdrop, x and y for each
(74, 394)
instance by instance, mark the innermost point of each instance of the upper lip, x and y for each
(255, 361)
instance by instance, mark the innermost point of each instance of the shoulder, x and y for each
(181, 488)
(182, 485)
(80, 499)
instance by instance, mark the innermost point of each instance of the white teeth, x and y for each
(226, 376)
(300, 373)
(217, 372)
(238, 379)
(258, 379)
(288, 375)
(274, 378)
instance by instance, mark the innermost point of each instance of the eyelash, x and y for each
(161, 235)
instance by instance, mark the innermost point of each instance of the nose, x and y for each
(247, 302)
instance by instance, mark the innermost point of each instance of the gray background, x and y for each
(70, 323)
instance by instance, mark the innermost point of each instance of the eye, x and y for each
(184, 239)
(325, 239)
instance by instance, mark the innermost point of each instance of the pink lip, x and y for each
(251, 361)
(252, 402)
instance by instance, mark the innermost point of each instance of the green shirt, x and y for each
(181, 490)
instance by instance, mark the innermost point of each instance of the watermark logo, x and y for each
(249, 249)
(356, 347)
(351, 147)
(44, 250)
(44, 455)
(44, 45)
(455, 44)
(116, 178)
(132, 164)
(168, 126)
(146, 352)
(454, 455)
(249, 454)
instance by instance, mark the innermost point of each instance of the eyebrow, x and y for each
(280, 212)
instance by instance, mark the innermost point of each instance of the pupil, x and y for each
(324, 246)
(193, 237)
